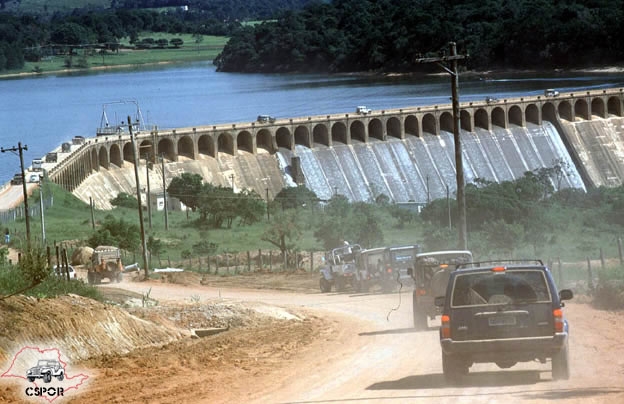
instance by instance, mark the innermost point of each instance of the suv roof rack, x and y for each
(494, 262)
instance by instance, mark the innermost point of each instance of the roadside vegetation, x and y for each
(528, 217)
(32, 277)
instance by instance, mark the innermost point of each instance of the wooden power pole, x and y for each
(138, 190)
(449, 64)
(20, 149)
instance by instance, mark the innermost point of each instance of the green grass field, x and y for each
(190, 51)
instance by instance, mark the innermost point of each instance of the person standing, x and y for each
(7, 236)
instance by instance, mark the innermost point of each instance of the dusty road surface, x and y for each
(367, 352)
(293, 345)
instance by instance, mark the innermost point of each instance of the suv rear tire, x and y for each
(560, 365)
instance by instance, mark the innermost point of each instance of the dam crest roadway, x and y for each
(404, 153)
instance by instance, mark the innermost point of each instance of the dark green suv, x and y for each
(503, 314)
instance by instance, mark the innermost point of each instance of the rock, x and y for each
(81, 256)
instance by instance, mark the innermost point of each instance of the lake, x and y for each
(44, 111)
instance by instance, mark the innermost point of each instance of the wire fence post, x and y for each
(590, 283)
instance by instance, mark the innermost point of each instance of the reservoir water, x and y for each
(44, 111)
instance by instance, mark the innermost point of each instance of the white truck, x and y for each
(340, 268)
(362, 110)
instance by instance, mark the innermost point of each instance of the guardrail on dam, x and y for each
(317, 132)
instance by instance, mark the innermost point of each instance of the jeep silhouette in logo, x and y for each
(46, 369)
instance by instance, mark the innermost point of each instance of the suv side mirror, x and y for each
(439, 301)
(565, 294)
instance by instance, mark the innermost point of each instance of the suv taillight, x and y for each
(558, 320)
(445, 327)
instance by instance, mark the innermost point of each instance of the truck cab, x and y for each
(340, 268)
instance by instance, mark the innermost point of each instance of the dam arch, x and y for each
(115, 155)
(302, 136)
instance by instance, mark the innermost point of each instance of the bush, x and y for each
(13, 279)
(124, 200)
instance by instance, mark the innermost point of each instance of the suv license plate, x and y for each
(501, 320)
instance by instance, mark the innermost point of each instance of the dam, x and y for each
(405, 154)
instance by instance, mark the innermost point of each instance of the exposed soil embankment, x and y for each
(81, 328)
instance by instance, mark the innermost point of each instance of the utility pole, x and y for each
(267, 202)
(20, 150)
(149, 198)
(449, 64)
(162, 159)
(43, 236)
(138, 190)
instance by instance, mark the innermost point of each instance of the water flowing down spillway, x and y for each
(418, 169)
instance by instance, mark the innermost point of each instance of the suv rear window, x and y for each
(495, 288)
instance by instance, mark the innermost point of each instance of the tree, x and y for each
(364, 228)
(118, 233)
(124, 200)
(176, 42)
(249, 207)
(295, 197)
(162, 42)
(187, 188)
(284, 231)
(71, 35)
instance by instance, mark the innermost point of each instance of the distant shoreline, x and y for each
(83, 70)
(484, 73)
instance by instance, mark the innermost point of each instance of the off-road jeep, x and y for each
(46, 369)
(503, 313)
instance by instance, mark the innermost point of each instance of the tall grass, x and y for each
(12, 279)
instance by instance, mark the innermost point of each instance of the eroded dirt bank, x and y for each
(304, 346)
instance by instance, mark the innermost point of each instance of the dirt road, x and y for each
(367, 352)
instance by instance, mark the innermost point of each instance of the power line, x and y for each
(20, 150)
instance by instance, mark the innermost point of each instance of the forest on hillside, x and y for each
(388, 35)
(29, 33)
(341, 35)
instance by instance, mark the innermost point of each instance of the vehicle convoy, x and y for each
(430, 272)
(397, 262)
(369, 263)
(503, 312)
(105, 263)
(385, 267)
(339, 269)
(46, 369)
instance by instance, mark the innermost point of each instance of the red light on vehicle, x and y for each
(443, 266)
(558, 320)
(421, 292)
(445, 327)
(498, 269)
(389, 270)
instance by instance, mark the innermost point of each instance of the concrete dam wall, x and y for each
(413, 169)
(416, 169)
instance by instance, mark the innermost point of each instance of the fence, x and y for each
(240, 262)
(12, 215)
